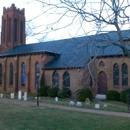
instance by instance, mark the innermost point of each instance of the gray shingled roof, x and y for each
(74, 52)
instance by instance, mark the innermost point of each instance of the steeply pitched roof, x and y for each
(73, 52)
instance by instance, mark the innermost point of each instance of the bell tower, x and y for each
(13, 28)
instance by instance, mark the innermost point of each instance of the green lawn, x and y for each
(19, 117)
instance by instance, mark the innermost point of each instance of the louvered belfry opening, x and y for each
(13, 28)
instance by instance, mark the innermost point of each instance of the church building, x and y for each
(80, 62)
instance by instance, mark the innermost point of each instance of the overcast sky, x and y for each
(33, 9)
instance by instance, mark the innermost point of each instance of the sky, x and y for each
(33, 9)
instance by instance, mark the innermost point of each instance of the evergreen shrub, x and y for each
(42, 91)
(123, 95)
(82, 94)
(53, 92)
(64, 93)
(31, 94)
(113, 95)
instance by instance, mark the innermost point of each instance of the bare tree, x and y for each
(100, 14)
(30, 32)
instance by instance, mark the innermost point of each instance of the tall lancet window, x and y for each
(124, 75)
(21, 32)
(23, 74)
(116, 75)
(15, 29)
(37, 74)
(0, 74)
(11, 74)
(9, 33)
(66, 79)
(55, 79)
(4, 31)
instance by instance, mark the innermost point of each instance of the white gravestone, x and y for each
(71, 103)
(105, 105)
(56, 99)
(19, 95)
(25, 96)
(79, 104)
(1, 95)
(97, 106)
(12, 95)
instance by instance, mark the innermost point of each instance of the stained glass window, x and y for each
(23, 74)
(0, 74)
(124, 75)
(101, 64)
(11, 74)
(37, 73)
(66, 79)
(55, 79)
(116, 75)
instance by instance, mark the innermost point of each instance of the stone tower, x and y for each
(13, 28)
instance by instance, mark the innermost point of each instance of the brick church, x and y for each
(89, 61)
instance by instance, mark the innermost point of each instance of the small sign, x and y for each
(12, 95)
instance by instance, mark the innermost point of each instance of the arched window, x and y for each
(0, 74)
(23, 74)
(91, 80)
(15, 29)
(4, 30)
(11, 74)
(37, 72)
(66, 79)
(55, 79)
(21, 32)
(9, 32)
(124, 75)
(116, 75)
(101, 64)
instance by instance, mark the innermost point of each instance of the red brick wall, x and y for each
(30, 62)
(11, 13)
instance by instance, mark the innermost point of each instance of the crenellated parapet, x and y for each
(13, 8)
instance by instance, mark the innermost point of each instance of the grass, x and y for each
(18, 117)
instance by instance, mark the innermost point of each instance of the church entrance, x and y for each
(102, 83)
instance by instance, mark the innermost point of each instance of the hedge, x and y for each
(113, 95)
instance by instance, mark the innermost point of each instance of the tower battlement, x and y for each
(13, 8)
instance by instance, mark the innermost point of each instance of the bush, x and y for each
(123, 95)
(6, 94)
(64, 93)
(42, 91)
(52, 92)
(113, 95)
(82, 94)
(31, 94)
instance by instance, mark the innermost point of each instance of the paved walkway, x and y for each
(31, 103)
